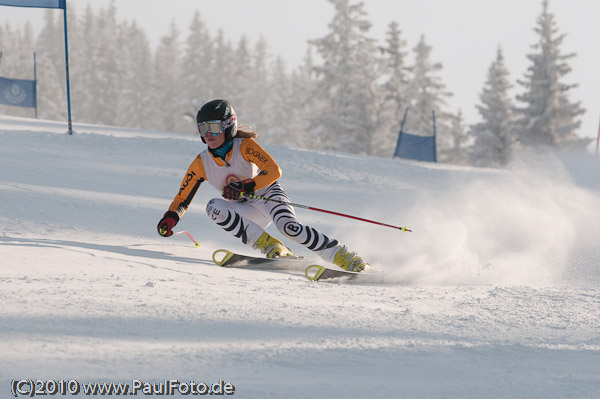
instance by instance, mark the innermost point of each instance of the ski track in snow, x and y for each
(495, 294)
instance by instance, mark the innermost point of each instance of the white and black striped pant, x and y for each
(248, 219)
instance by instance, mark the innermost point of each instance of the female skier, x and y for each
(234, 163)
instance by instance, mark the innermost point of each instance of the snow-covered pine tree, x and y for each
(170, 107)
(10, 62)
(256, 90)
(110, 69)
(3, 39)
(240, 80)
(197, 67)
(51, 90)
(428, 93)
(494, 139)
(222, 71)
(347, 80)
(302, 82)
(394, 92)
(24, 51)
(85, 69)
(548, 118)
(136, 97)
(17, 61)
(276, 110)
(77, 46)
(458, 152)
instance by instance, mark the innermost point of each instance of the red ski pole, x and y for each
(404, 229)
(196, 243)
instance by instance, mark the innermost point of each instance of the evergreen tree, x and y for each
(109, 67)
(13, 55)
(394, 92)
(258, 92)
(24, 51)
(346, 90)
(3, 39)
(301, 105)
(76, 57)
(17, 61)
(428, 95)
(170, 106)
(222, 73)
(278, 106)
(136, 98)
(548, 118)
(51, 88)
(51, 92)
(198, 66)
(494, 139)
(240, 94)
(456, 153)
(86, 74)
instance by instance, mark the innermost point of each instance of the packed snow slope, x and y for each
(495, 293)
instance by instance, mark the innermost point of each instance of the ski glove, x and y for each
(233, 191)
(166, 224)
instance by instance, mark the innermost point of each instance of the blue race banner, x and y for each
(18, 92)
(419, 148)
(35, 3)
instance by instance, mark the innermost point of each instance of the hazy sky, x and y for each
(464, 34)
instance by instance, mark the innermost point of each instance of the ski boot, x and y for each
(272, 247)
(349, 261)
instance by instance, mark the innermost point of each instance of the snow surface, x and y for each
(495, 294)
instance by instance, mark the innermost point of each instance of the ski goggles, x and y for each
(215, 128)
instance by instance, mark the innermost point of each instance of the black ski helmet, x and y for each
(219, 110)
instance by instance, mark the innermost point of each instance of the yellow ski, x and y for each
(225, 258)
(317, 272)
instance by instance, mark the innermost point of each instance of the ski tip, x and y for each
(217, 256)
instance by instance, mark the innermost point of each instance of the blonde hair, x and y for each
(246, 132)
